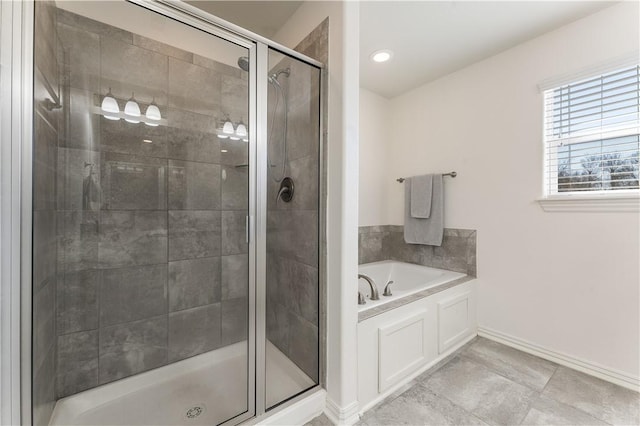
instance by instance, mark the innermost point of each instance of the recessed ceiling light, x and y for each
(223, 150)
(147, 141)
(381, 55)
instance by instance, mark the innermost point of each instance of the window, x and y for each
(591, 135)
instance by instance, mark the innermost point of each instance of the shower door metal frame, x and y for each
(21, 191)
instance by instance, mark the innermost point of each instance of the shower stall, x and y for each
(177, 206)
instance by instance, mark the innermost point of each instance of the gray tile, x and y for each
(130, 294)
(194, 331)
(234, 321)
(603, 400)
(131, 348)
(304, 173)
(77, 362)
(516, 365)
(545, 411)
(492, 398)
(162, 48)
(218, 66)
(44, 165)
(96, 27)
(129, 238)
(237, 153)
(278, 325)
(180, 119)
(420, 406)
(45, 42)
(82, 55)
(194, 282)
(193, 88)
(294, 235)
(193, 186)
(235, 188)
(300, 283)
(193, 145)
(122, 137)
(194, 234)
(44, 324)
(78, 301)
(44, 248)
(78, 240)
(234, 232)
(235, 276)
(234, 95)
(303, 131)
(128, 69)
(82, 130)
(370, 247)
(303, 345)
(133, 182)
(74, 166)
(44, 390)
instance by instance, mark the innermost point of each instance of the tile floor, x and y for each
(489, 383)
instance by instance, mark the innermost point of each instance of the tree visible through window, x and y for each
(592, 134)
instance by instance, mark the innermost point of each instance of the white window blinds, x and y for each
(591, 134)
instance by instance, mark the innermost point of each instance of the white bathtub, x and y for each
(212, 385)
(407, 279)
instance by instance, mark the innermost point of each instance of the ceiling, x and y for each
(261, 17)
(432, 39)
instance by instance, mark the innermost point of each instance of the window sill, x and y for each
(594, 203)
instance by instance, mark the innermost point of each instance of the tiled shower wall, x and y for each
(46, 122)
(292, 228)
(152, 259)
(457, 252)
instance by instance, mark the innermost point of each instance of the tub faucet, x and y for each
(374, 289)
(387, 289)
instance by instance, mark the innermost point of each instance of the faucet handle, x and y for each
(387, 289)
(361, 300)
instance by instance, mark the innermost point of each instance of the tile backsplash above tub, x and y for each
(386, 242)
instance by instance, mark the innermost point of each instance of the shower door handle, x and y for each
(247, 223)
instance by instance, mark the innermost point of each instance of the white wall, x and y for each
(375, 146)
(568, 282)
(342, 193)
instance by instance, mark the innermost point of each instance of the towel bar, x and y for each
(452, 174)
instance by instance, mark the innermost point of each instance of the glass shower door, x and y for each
(292, 244)
(141, 198)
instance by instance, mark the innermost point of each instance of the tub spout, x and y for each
(374, 289)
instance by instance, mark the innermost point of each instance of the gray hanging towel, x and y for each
(421, 188)
(425, 231)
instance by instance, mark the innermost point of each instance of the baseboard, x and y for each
(299, 413)
(587, 367)
(342, 415)
(410, 377)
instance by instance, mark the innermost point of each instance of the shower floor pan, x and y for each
(206, 389)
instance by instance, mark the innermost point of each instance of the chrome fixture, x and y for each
(374, 289)
(243, 63)
(387, 289)
(452, 174)
(361, 300)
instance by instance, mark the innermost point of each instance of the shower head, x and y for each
(243, 63)
(273, 78)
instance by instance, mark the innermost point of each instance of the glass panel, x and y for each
(293, 130)
(140, 199)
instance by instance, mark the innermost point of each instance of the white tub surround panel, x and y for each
(396, 346)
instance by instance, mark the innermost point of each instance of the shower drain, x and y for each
(194, 412)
